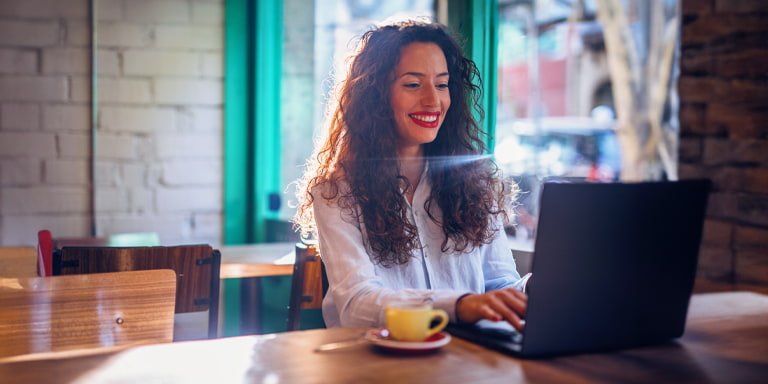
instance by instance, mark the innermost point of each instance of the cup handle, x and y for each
(438, 314)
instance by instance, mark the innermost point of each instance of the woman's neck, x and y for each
(411, 167)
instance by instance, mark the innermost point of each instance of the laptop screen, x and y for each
(614, 265)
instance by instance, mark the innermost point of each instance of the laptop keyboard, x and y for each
(511, 336)
(501, 332)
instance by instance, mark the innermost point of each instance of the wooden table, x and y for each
(726, 341)
(248, 307)
(18, 262)
(256, 260)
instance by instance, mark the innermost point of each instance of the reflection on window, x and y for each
(557, 115)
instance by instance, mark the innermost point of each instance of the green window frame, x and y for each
(478, 22)
(253, 68)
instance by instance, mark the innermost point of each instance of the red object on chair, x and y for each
(44, 253)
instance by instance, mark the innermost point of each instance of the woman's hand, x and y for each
(505, 304)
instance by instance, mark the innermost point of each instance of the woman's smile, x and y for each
(420, 96)
(426, 119)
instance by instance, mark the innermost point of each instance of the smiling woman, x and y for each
(404, 202)
(419, 96)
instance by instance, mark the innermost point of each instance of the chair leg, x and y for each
(213, 308)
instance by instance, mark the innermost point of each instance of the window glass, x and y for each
(556, 116)
(337, 26)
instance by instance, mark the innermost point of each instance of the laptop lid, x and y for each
(613, 267)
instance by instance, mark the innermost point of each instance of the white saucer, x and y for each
(380, 338)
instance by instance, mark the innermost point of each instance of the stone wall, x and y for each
(723, 91)
(159, 128)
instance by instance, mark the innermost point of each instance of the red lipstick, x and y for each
(426, 119)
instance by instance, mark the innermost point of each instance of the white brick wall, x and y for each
(17, 61)
(188, 145)
(124, 91)
(206, 37)
(23, 144)
(77, 33)
(110, 10)
(66, 172)
(73, 145)
(33, 88)
(66, 117)
(161, 63)
(113, 34)
(80, 89)
(108, 62)
(160, 119)
(17, 116)
(29, 33)
(136, 119)
(181, 199)
(179, 173)
(67, 61)
(187, 91)
(207, 13)
(112, 200)
(44, 200)
(163, 12)
(44, 8)
(20, 171)
(21, 229)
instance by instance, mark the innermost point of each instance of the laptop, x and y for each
(613, 268)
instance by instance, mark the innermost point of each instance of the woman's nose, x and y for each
(429, 97)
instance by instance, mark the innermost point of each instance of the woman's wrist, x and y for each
(458, 305)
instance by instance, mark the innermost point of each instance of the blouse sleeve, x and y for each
(499, 268)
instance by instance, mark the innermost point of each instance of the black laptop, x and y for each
(613, 268)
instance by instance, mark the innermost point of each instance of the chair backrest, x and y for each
(309, 283)
(56, 313)
(197, 268)
(44, 253)
(47, 245)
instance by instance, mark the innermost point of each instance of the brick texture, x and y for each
(159, 119)
(723, 91)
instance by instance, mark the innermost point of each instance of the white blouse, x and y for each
(359, 289)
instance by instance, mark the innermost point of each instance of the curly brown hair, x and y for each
(357, 160)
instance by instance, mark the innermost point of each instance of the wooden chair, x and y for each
(47, 245)
(57, 313)
(197, 268)
(309, 283)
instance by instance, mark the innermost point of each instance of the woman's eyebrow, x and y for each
(419, 74)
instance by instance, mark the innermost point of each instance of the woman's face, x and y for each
(419, 95)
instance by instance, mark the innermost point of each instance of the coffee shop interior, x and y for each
(167, 123)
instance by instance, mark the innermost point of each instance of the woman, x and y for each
(402, 200)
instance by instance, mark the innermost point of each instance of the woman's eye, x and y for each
(442, 86)
(411, 85)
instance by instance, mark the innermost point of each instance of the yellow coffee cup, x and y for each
(409, 321)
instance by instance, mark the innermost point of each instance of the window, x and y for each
(556, 110)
